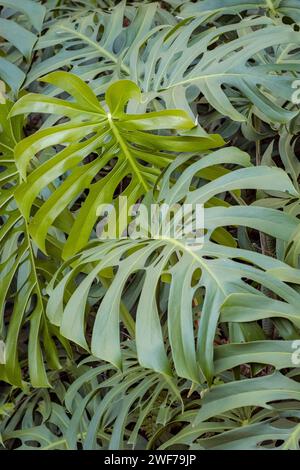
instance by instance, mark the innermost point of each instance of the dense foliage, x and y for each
(147, 343)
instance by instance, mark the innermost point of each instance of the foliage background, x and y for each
(147, 345)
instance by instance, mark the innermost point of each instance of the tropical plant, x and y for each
(177, 339)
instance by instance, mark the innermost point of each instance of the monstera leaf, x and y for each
(109, 134)
(202, 276)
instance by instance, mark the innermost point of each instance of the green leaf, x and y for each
(17, 32)
(22, 275)
(223, 272)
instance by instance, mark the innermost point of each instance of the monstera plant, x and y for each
(126, 338)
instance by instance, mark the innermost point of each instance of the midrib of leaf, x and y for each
(127, 153)
(97, 46)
